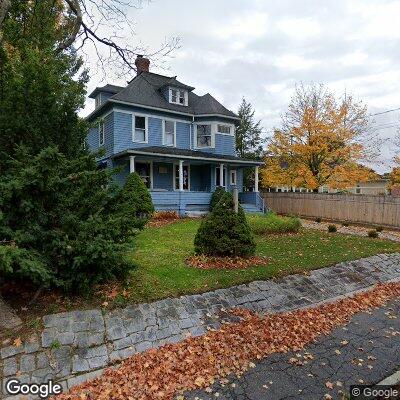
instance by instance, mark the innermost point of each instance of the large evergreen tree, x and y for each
(249, 143)
(62, 221)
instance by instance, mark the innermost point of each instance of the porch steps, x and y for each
(251, 208)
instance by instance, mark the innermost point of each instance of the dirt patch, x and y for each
(204, 262)
(163, 218)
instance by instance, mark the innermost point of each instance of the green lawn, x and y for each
(161, 270)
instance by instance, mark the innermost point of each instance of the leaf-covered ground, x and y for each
(198, 362)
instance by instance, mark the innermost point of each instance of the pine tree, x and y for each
(248, 133)
(59, 223)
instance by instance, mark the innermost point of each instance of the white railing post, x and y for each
(131, 164)
(256, 179)
(221, 175)
(180, 175)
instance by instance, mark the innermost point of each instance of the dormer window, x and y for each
(178, 96)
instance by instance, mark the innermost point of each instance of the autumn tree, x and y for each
(249, 143)
(395, 174)
(322, 141)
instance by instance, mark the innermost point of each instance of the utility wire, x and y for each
(384, 112)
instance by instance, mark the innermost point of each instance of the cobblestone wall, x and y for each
(75, 346)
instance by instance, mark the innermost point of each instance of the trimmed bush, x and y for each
(373, 234)
(318, 220)
(332, 228)
(273, 224)
(225, 233)
(134, 201)
(216, 196)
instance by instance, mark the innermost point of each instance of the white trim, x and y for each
(234, 172)
(174, 165)
(224, 160)
(131, 164)
(102, 132)
(225, 175)
(256, 178)
(163, 132)
(146, 127)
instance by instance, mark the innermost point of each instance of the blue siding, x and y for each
(161, 180)
(123, 132)
(225, 144)
(183, 135)
(181, 201)
(121, 176)
(93, 136)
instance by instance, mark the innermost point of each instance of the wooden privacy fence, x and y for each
(368, 209)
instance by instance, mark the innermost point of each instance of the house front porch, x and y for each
(184, 180)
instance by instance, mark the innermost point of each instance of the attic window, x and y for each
(178, 96)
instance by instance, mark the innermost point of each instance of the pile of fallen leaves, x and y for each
(205, 262)
(197, 362)
(162, 218)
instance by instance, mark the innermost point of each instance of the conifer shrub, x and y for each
(225, 233)
(332, 228)
(62, 222)
(216, 196)
(373, 234)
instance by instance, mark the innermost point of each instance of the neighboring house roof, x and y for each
(146, 89)
(173, 152)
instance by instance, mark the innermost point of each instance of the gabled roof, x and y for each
(146, 90)
(107, 88)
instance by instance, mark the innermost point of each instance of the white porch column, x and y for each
(221, 175)
(131, 164)
(181, 175)
(256, 179)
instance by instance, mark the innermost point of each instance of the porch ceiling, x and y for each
(173, 153)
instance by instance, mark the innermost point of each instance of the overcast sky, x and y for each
(259, 49)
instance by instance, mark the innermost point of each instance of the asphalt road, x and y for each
(365, 351)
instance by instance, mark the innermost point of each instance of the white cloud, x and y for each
(299, 28)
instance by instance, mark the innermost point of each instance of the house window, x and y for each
(186, 177)
(178, 96)
(169, 133)
(225, 129)
(204, 135)
(102, 133)
(139, 133)
(233, 177)
(144, 171)
(217, 176)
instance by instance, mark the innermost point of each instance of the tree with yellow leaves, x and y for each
(395, 174)
(322, 141)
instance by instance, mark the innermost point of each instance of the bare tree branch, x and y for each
(70, 39)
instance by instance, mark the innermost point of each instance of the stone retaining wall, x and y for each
(75, 346)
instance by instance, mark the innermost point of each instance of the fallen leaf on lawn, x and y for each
(17, 342)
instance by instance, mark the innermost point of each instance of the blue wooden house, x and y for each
(181, 144)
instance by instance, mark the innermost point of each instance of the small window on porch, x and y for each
(204, 136)
(144, 171)
(169, 133)
(233, 177)
(217, 177)
(139, 133)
